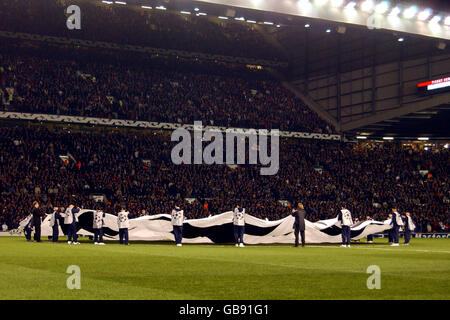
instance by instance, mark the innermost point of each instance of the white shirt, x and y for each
(177, 217)
(239, 217)
(122, 219)
(97, 219)
(346, 217)
(68, 216)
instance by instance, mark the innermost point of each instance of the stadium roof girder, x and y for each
(313, 105)
(404, 110)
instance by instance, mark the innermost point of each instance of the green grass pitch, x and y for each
(31, 270)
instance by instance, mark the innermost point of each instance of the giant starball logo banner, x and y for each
(219, 229)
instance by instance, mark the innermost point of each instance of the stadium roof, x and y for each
(426, 18)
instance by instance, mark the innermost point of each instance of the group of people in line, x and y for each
(398, 221)
(70, 216)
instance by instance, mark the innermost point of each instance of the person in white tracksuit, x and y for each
(177, 224)
(345, 218)
(123, 223)
(54, 223)
(70, 221)
(239, 226)
(97, 224)
(409, 227)
(396, 223)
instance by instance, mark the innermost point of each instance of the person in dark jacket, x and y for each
(37, 215)
(299, 225)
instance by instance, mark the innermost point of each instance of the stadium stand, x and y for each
(117, 91)
(136, 26)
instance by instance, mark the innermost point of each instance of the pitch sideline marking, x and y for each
(387, 249)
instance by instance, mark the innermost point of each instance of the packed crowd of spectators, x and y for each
(142, 92)
(136, 26)
(135, 168)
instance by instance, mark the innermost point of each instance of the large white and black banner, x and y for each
(219, 229)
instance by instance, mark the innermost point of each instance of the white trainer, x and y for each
(95, 242)
(69, 242)
(343, 245)
(241, 245)
(101, 244)
(394, 245)
(179, 245)
(236, 245)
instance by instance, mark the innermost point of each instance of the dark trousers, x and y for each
(123, 234)
(370, 237)
(72, 232)
(395, 234)
(346, 235)
(37, 232)
(407, 236)
(55, 233)
(239, 234)
(178, 233)
(98, 235)
(390, 236)
(302, 234)
(27, 232)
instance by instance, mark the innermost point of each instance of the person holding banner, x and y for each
(28, 228)
(390, 231)
(345, 218)
(409, 228)
(54, 224)
(299, 224)
(123, 223)
(239, 226)
(396, 223)
(177, 224)
(370, 236)
(98, 222)
(70, 220)
(37, 215)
